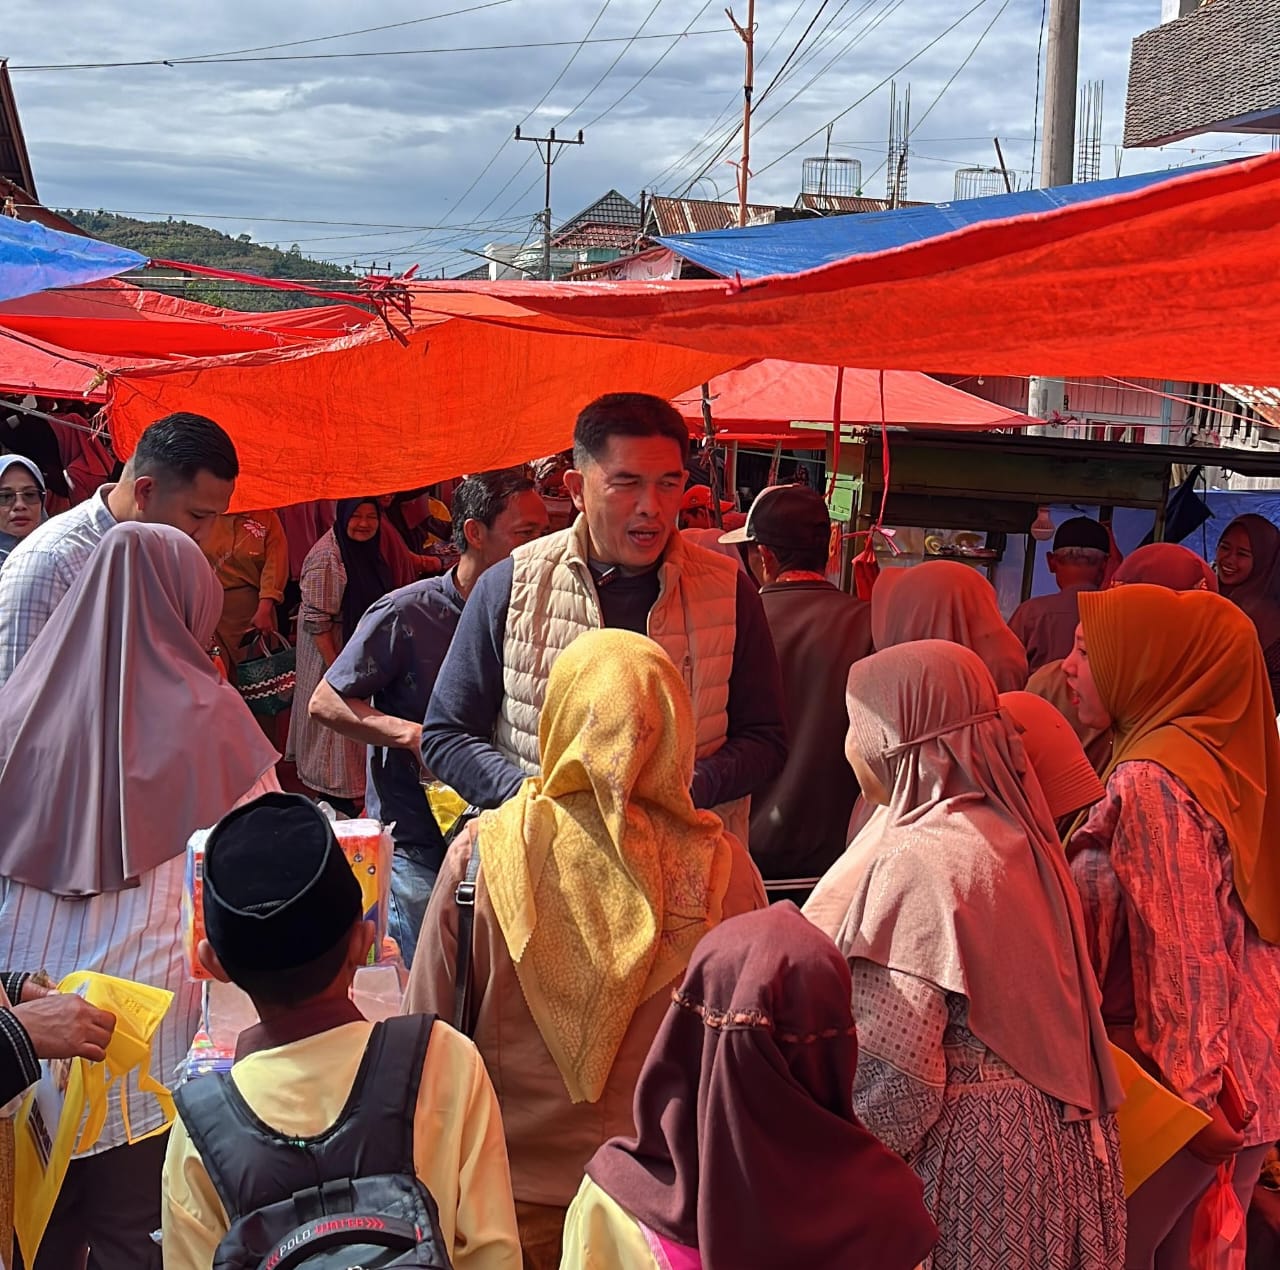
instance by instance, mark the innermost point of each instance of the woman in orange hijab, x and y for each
(1179, 871)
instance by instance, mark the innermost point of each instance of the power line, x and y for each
(502, 145)
(890, 7)
(955, 75)
(937, 39)
(249, 216)
(342, 35)
(175, 62)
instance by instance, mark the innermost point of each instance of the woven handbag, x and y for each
(267, 681)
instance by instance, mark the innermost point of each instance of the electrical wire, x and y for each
(943, 90)
(915, 57)
(173, 63)
(1035, 117)
(342, 35)
(502, 145)
(823, 41)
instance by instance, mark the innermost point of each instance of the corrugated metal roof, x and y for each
(827, 204)
(1265, 401)
(697, 215)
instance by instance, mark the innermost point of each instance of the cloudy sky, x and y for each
(409, 157)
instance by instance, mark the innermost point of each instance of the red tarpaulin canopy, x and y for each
(1179, 281)
(120, 320)
(760, 402)
(31, 366)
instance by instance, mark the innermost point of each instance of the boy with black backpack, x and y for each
(333, 1142)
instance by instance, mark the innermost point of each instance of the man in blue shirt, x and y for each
(378, 688)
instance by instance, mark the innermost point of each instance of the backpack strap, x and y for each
(250, 1163)
(212, 1113)
(463, 987)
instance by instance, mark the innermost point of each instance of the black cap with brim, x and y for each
(792, 517)
(278, 891)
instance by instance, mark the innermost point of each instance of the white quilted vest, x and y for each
(553, 600)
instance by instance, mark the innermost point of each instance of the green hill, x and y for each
(199, 245)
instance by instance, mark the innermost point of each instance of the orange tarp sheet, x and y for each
(31, 366)
(763, 399)
(1180, 280)
(368, 415)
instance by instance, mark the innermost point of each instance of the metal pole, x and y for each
(713, 474)
(1004, 171)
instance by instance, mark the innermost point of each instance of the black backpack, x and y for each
(349, 1197)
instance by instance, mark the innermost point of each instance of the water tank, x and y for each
(979, 182)
(831, 176)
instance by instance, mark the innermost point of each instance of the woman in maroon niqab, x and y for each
(746, 1145)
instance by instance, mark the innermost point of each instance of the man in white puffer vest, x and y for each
(621, 564)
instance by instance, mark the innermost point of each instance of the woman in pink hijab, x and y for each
(944, 599)
(118, 739)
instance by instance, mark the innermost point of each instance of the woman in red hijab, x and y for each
(747, 1152)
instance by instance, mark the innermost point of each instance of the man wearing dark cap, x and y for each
(798, 823)
(1046, 624)
(284, 922)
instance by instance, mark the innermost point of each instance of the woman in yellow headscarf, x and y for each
(596, 882)
(1179, 870)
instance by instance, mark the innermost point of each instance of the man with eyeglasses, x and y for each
(21, 501)
(182, 474)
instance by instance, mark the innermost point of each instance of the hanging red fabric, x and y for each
(866, 568)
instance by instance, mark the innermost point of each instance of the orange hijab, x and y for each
(1182, 676)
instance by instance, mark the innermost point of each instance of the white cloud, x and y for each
(399, 139)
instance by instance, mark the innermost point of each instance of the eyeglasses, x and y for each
(32, 496)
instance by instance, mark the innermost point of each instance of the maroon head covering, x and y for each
(746, 1144)
(1259, 593)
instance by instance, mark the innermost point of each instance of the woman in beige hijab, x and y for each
(983, 1059)
(596, 881)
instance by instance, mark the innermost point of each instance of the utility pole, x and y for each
(1047, 396)
(1061, 69)
(748, 36)
(549, 148)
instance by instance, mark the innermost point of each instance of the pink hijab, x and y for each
(118, 737)
(962, 882)
(944, 599)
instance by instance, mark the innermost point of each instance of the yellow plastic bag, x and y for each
(446, 805)
(1155, 1124)
(63, 1114)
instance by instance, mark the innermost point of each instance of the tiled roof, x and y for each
(1216, 69)
(612, 209)
(589, 234)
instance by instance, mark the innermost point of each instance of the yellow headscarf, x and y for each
(1183, 677)
(602, 875)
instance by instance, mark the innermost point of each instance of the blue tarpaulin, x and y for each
(33, 258)
(793, 246)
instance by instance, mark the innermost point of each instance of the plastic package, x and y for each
(376, 992)
(193, 904)
(367, 846)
